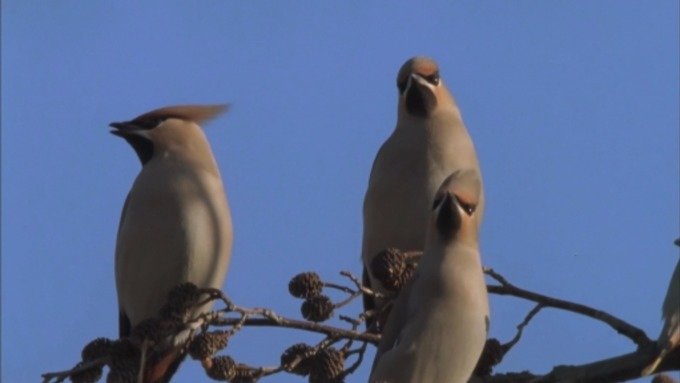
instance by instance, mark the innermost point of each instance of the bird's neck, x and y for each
(442, 125)
(450, 266)
(437, 250)
(197, 155)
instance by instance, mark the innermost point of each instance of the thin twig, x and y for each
(347, 300)
(413, 256)
(360, 286)
(360, 358)
(344, 289)
(354, 322)
(61, 375)
(520, 328)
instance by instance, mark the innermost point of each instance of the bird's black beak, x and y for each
(419, 99)
(448, 219)
(123, 128)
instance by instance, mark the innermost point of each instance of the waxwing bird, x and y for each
(438, 326)
(669, 339)
(429, 142)
(175, 225)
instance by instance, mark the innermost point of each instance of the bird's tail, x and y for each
(162, 370)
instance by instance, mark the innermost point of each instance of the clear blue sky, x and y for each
(573, 107)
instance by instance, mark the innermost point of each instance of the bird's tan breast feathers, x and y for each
(176, 227)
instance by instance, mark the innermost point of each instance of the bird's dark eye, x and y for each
(469, 208)
(433, 78)
(149, 122)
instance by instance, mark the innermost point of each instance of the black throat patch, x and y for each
(448, 218)
(142, 146)
(420, 101)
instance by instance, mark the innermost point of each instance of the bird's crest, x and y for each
(195, 113)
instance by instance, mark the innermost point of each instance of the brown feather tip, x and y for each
(196, 113)
(162, 370)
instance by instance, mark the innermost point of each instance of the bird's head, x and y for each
(421, 88)
(166, 128)
(454, 209)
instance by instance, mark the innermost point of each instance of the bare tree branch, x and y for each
(624, 328)
(616, 369)
(236, 318)
(331, 331)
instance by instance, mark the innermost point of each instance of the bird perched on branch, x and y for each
(669, 339)
(438, 325)
(429, 142)
(175, 226)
